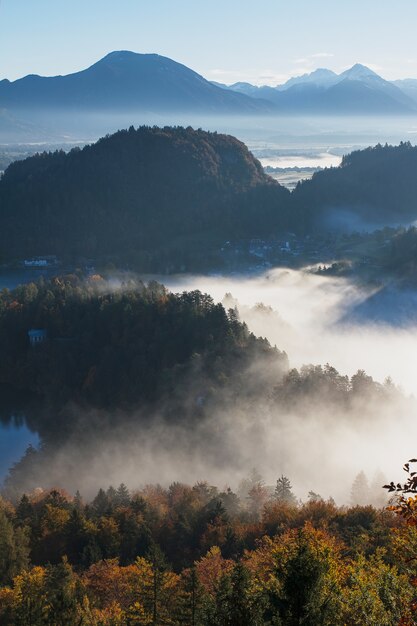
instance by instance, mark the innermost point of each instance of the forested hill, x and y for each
(377, 185)
(127, 349)
(166, 199)
(150, 197)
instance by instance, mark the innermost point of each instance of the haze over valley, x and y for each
(208, 327)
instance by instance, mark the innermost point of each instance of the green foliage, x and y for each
(14, 548)
(283, 491)
(125, 348)
(377, 184)
(309, 590)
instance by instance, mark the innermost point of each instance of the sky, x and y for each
(263, 42)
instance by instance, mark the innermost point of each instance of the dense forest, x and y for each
(200, 556)
(167, 199)
(152, 198)
(400, 257)
(119, 348)
(135, 372)
(377, 185)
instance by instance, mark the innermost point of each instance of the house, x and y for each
(37, 336)
(41, 261)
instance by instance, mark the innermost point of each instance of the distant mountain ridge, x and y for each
(125, 80)
(356, 90)
(126, 84)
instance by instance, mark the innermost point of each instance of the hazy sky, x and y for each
(227, 40)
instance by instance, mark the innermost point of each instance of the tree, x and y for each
(283, 491)
(246, 603)
(360, 493)
(300, 571)
(64, 594)
(376, 593)
(122, 496)
(24, 604)
(14, 548)
(101, 503)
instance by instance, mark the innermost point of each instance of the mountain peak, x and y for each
(358, 72)
(321, 76)
(322, 71)
(126, 57)
(126, 54)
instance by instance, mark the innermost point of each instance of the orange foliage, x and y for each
(211, 568)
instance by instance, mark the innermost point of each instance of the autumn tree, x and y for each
(14, 548)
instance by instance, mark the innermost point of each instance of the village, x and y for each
(330, 253)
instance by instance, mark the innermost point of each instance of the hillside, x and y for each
(133, 350)
(373, 187)
(154, 198)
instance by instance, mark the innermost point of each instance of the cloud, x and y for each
(311, 58)
(322, 55)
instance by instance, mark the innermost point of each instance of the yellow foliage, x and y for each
(211, 568)
(54, 519)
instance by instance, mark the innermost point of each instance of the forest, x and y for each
(118, 348)
(377, 184)
(167, 199)
(133, 350)
(151, 198)
(117, 357)
(200, 556)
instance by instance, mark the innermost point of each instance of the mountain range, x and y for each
(356, 90)
(126, 87)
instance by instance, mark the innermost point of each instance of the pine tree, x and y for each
(101, 503)
(122, 497)
(14, 549)
(360, 493)
(63, 594)
(283, 491)
(78, 501)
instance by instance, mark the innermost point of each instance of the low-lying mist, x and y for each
(308, 316)
(302, 430)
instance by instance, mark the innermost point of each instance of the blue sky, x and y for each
(262, 42)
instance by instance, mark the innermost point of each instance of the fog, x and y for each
(314, 319)
(325, 135)
(308, 316)
(318, 444)
(309, 320)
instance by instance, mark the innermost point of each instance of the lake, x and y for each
(15, 436)
(14, 439)
(11, 278)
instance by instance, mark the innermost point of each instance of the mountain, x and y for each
(358, 90)
(155, 198)
(407, 86)
(13, 130)
(126, 81)
(320, 77)
(367, 77)
(253, 91)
